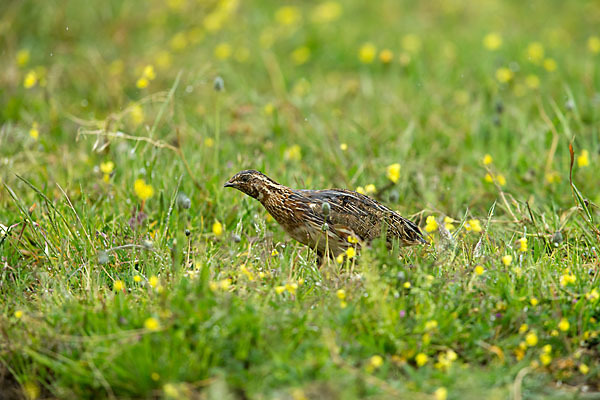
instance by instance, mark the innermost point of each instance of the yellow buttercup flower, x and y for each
(421, 359)
(535, 52)
(522, 244)
(583, 160)
(293, 153)
(326, 12)
(507, 260)
(34, 132)
(350, 252)
(550, 65)
(440, 393)
(532, 81)
(492, 41)
(487, 159)
(376, 361)
(531, 339)
(153, 281)
(217, 228)
(152, 324)
(386, 56)
(341, 294)
(223, 51)
(30, 79)
(118, 286)
(564, 325)
(479, 270)
(533, 301)
(593, 44)
(142, 83)
(288, 15)
(392, 172)
(370, 188)
(143, 190)
(504, 75)
(431, 224)
(301, 55)
(18, 314)
(107, 167)
(367, 53)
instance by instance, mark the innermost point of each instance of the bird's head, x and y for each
(253, 183)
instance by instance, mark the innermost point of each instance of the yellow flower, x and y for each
(448, 223)
(291, 287)
(143, 190)
(531, 339)
(341, 294)
(30, 79)
(386, 56)
(152, 324)
(532, 81)
(552, 177)
(504, 75)
(352, 239)
(274, 253)
(479, 270)
(392, 172)
(501, 179)
(178, 42)
(507, 260)
(370, 188)
(288, 15)
(376, 361)
(593, 295)
(142, 83)
(137, 278)
(224, 284)
(217, 228)
(564, 325)
(107, 167)
(473, 225)
(118, 285)
(293, 153)
(487, 159)
(411, 43)
(545, 358)
(550, 65)
(407, 285)
(593, 44)
(149, 72)
(137, 114)
(18, 314)
(583, 160)
(440, 393)
(326, 12)
(209, 142)
(153, 281)
(155, 376)
(34, 132)
(489, 178)
(492, 41)
(343, 147)
(432, 324)
(343, 304)
(421, 359)
(533, 301)
(431, 224)
(223, 51)
(522, 244)
(360, 190)
(350, 252)
(584, 369)
(367, 53)
(22, 57)
(535, 52)
(523, 328)
(566, 279)
(301, 55)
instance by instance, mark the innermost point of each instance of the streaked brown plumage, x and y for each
(353, 217)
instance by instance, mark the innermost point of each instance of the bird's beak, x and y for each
(229, 184)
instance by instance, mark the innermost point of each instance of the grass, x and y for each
(174, 287)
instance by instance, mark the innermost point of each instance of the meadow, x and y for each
(128, 271)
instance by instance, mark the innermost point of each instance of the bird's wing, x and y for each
(363, 215)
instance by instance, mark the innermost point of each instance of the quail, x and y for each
(328, 221)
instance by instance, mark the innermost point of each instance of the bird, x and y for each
(328, 221)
